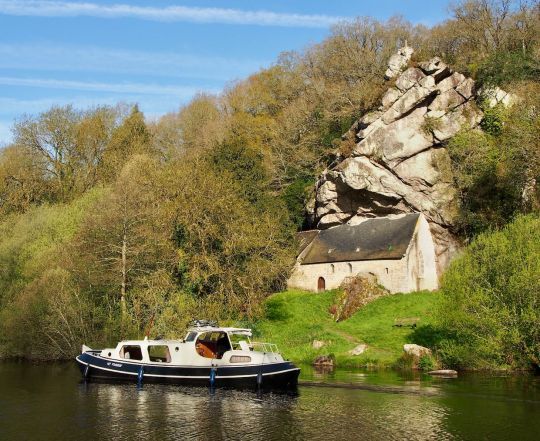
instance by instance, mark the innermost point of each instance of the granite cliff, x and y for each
(398, 162)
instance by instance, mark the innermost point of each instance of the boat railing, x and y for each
(263, 347)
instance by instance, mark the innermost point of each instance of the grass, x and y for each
(294, 319)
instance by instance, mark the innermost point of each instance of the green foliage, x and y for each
(505, 67)
(493, 120)
(41, 311)
(491, 302)
(296, 197)
(494, 169)
(430, 124)
(231, 252)
(245, 164)
(426, 363)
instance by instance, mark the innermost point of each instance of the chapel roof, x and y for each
(373, 239)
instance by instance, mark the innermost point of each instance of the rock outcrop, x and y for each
(399, 163)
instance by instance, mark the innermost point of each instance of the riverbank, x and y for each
(294, 319)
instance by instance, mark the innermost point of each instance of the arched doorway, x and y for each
(321, 284)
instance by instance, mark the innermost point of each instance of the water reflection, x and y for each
(47, 402)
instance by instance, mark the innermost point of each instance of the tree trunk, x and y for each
(124, 276)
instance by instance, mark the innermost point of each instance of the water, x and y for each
(49, 402)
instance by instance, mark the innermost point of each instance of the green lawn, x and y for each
(295, 318)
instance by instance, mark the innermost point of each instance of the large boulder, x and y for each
(416, 350)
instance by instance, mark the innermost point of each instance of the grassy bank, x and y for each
(295, 318)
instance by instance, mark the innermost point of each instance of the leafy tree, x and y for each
(130, 138)
(22, 180)
(229, 253)
(51, 138)
(123, 237)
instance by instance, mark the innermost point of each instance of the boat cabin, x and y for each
(201, 346)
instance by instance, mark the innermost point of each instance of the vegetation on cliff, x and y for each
(110, 222)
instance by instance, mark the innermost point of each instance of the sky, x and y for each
(158, 53)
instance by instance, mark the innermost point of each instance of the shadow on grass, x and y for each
(276, 310)
(430, 336)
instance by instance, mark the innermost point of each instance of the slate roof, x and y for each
(373, 239)
(305, 238)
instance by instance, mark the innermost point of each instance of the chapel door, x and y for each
(321, 284)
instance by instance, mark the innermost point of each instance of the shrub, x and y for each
(491, 300)
(356, 292)
(504, 67)
(426, 363)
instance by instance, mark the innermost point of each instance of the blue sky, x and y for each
(158, 53)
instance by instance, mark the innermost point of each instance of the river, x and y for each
(50, 402)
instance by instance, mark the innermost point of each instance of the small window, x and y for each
(240, 359)
(386, 270)
(131, 352)
(191, 336)
(159, 353)
(349, 265)
(332, 268)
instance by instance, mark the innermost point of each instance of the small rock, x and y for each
(317, 344)
(416, 350)
(360, 349)
(496, 95)
(444, 373)
(451, 82)
(324, 360)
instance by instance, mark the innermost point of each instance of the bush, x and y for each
(356, 292)
(491, 300)
(426, 363)
(504, 67)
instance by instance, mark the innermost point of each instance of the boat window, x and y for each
(212, 344)
(131, 352)
(191, 336)
(159, 353)
(240, 359)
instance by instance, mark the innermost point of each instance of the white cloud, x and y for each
(167, 14)
(118, 88)
(43, 56)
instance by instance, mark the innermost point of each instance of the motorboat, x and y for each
(207, 356)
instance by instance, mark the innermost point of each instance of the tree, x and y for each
(130, 138)
(123, 237)
(65, 148)
(22, 181)
(51, 138)
(230, 255)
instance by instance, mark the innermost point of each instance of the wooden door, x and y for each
(321, 284)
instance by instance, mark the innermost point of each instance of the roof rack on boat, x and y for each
(203, 324)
